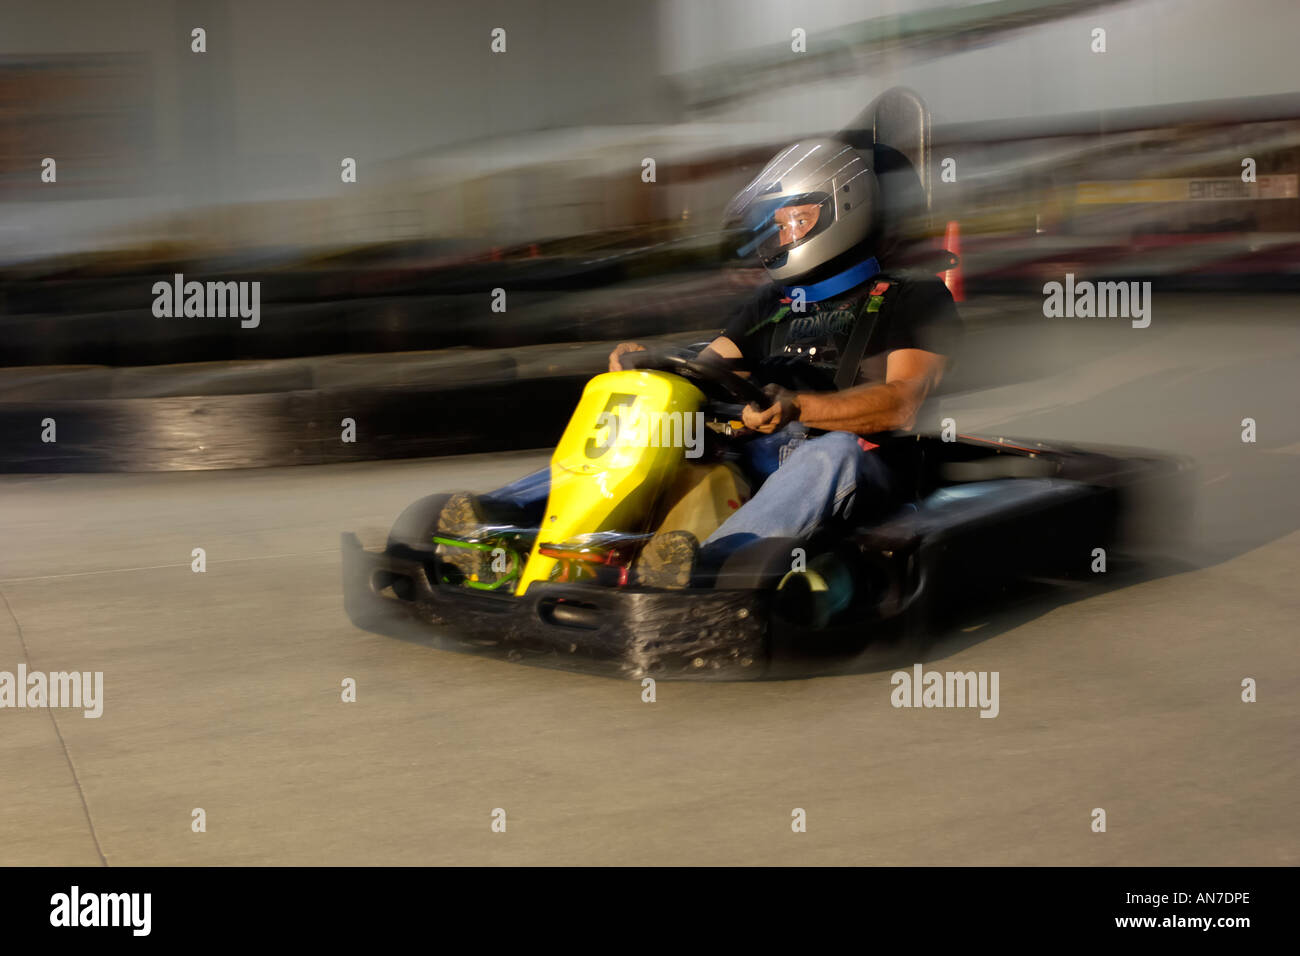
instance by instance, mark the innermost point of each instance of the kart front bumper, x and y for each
(625, 632)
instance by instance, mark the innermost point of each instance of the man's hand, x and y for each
(783, 410)
(620, 350)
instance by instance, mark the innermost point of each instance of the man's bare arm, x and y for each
(721, 347)
(910, 376)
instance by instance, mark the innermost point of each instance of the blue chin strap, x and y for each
(842, 282)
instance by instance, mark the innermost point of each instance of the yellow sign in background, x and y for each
(1186, 190)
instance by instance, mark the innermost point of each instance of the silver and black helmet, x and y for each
(814, 201)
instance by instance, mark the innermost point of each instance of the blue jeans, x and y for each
(804, 481)
(812, 479)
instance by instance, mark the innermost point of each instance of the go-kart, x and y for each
(974, 514)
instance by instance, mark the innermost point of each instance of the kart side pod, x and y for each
(624, 443)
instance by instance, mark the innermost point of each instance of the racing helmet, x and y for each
(815, 201)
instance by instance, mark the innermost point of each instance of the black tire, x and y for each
(758, 566)
(414, 527)
(763, 564)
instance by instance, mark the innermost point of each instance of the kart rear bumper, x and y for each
(627, 632)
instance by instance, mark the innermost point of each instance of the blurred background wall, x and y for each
(990, 60)
(283, 93)
(522, 171)
(238, 148)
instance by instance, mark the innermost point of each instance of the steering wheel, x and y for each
(712, 373)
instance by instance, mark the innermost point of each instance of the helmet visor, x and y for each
(774, 226)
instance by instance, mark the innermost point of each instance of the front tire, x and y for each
(414, 527)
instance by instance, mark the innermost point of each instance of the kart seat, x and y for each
(895, 126)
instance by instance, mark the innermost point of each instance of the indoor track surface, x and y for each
(222, 690)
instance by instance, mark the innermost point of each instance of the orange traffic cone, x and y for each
(953, 278)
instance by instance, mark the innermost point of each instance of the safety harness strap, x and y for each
(847, 372)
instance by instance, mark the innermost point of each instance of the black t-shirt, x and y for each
(908, 311)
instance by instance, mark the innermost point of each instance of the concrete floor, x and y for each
(222, 689)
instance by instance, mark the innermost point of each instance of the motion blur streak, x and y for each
(501, 230)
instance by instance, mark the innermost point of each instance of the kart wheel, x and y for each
(758, 566)
(826, 587)
(812, 584)
(415, 525)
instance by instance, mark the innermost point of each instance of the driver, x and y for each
(846, 352)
